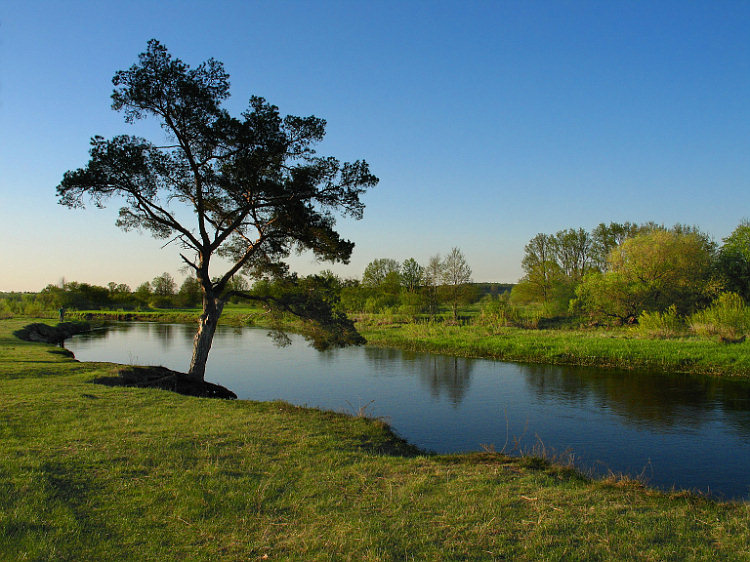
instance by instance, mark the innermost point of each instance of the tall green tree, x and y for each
(605, 238)
(572, 250)
(377, 271)
(189, 294)
(652, 271)
(164, 285)
(412, 275)
(733, 260)
(249, 189)
(120, 294)
(433, 276)
(142, 293)
(456, 275)
(540, 267)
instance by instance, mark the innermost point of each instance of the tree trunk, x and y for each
(212, 308)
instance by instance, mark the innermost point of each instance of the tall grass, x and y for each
(667, 324)
(622, 347)
(728, 319)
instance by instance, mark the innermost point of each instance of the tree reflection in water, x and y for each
(643, 399)
(440, 374)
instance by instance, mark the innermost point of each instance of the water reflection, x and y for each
(188, 334)
(441, 375)
(164, 333)
(643, 400)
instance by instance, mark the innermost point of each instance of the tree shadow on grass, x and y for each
(63, 524)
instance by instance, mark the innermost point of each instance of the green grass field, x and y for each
(89, 472)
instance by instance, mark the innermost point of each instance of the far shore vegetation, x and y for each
(92, 472)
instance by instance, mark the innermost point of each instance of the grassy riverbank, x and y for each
(616, 347)
(90, 472)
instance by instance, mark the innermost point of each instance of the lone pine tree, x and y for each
(255, 187)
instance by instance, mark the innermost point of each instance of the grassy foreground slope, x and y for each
(89, 472)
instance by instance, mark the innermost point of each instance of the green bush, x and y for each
(497, 312)
(6, 309)
(412, 304)
(662, 325)
(161, 301)
(728, 318)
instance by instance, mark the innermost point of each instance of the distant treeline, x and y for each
(386, 286)
(619, 270)
(161, 292)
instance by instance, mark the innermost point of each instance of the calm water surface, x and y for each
(681, 431)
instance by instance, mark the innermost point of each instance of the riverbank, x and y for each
(96, 472)
(622, 348)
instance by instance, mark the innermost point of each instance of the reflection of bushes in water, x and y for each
(451, 374)
(165, 332)
(383, 357)
(441, 374)
(95, 335)
(642, 398)
(188, 332)
(168, 333)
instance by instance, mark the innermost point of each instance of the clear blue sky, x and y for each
(487, 122)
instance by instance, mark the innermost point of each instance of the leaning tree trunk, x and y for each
(212, 308)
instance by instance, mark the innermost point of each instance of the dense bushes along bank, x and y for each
(91, 472)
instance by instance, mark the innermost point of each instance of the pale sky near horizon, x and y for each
(486, 122)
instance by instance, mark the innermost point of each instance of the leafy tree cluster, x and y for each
(15, 303)
(618, 271)
(733, 261)
(161, 292)
(411, 288)
(554, 264)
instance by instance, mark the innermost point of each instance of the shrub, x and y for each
(496, 313)
(161, 301)
(412, 304)
(728, 318)
(6, 310)
(662, 325)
